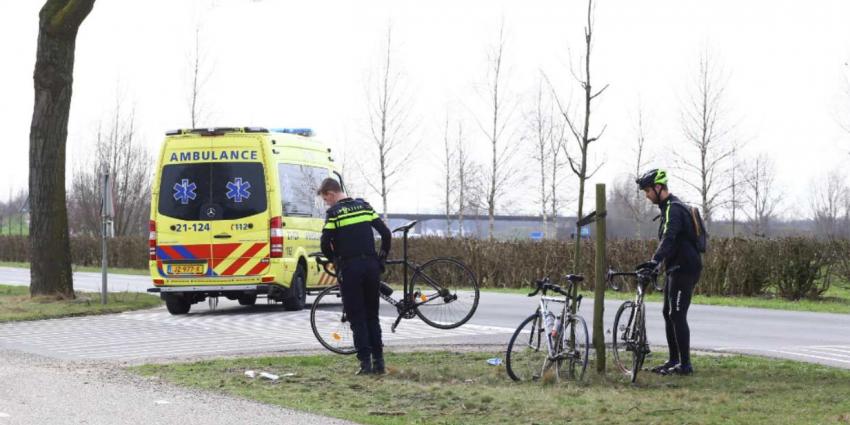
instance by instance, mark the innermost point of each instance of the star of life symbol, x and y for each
(237, 190)
(185, 191)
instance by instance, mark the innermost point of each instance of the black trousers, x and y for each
(677, 299)
(359, 287)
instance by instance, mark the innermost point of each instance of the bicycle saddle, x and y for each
(405, 227)
(574, 277)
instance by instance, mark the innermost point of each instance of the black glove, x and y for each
(649, 266)
(382, 262)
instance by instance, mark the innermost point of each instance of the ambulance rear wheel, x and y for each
(176, 304)
(297, 295)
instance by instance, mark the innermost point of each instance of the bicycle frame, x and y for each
(566, 313)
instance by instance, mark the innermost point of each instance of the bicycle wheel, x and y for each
(622, 344)
(445, 292)
(641, 348)
(527, 355)
(574, 349)
(329, 323)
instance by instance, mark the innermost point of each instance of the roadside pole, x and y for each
(106, 212)
(599, 284)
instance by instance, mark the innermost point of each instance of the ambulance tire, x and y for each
(247, 299)
(177, 304)
(296, 297)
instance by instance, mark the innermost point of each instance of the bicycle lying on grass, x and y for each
(629, 341)
(545, 341)
(443, 292)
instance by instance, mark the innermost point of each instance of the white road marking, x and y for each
(140, 335)
(799, 354)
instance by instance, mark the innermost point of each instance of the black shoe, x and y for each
(663, 367)
(679, 369)
(365, 367)
(378, 367)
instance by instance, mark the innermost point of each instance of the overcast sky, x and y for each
(280, 63)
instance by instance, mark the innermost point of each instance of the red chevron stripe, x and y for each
(262, 265)
(244, 259)
(221, 251)
(171, 252)
(199, 251)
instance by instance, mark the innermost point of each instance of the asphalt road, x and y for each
(79, 360)
(813, 337)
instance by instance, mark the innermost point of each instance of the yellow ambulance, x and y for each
(234, 213)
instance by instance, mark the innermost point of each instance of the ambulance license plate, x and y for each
(186, 269)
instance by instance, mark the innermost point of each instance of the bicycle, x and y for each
(443, 292)
(629, 343)
(567, 344)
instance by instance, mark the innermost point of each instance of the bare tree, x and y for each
(829, 204)
(626, 192)
(501, 149)
(705, 166)
(541, 125)
(468, 182)
(200, 72)
(579, 125)
(50, 247)
(449, 187)
(390, 133)
(118, 151)
(760, 197)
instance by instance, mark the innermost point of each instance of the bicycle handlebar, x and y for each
(546, 285)
(324, 262)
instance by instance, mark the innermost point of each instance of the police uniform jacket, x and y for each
(348, 231)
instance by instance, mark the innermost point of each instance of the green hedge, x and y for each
(793, 268)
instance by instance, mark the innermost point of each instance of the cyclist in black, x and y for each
(347, 239)
(678, 252)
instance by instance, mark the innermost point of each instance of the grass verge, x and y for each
(117, 270)
(835, 300)
(461, 388)
(16, 304)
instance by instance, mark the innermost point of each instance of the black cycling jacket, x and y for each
(348, 230)
(677, 237)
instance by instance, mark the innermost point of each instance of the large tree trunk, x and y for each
(50, 251)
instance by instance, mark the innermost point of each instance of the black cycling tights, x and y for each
(677, 299)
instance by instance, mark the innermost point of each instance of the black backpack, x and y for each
(701, 241)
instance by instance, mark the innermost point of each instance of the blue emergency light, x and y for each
(305, 132)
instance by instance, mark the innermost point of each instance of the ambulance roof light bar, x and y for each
(305, 132)
(218, 131)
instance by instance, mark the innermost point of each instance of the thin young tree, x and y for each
(626, 193)
(50, 248)
(501, 149)
(466, 178)
(200, 71)
(760, 199)
(705, 164)
(449, 176)
(542, 131)
(389, 113)
(579, 126)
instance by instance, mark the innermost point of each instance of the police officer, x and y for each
(347, 239)
(678, 251)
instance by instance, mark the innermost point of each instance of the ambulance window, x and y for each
(298, 186)
(235, 189)
(183, 189)
(239, 188)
